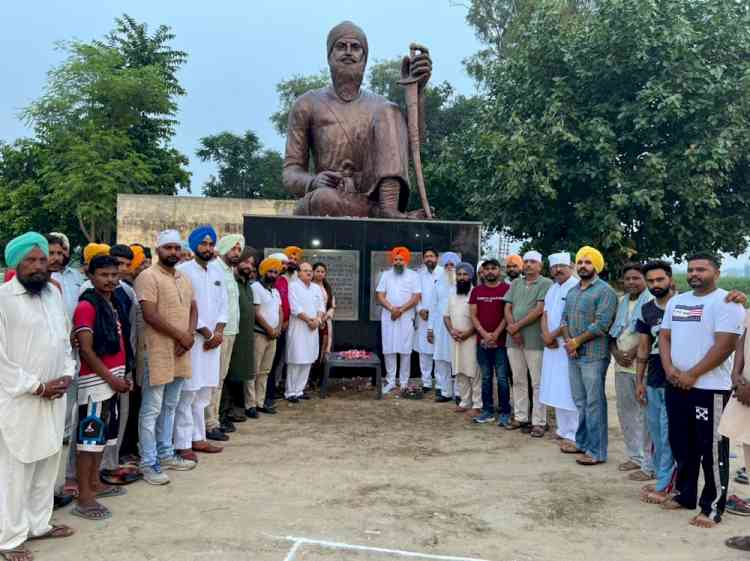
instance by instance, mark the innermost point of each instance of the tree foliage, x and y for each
(103, 127)
(626, 127)
(245, 169)
(289, 90)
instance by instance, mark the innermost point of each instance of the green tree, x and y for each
(626, 127)
(246, 169)
(105, 124)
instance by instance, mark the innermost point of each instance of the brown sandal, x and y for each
(57, 531)
(641, 475)
(587, 460)
(739, 542)
(567, 447)
(20, 553)
(537, 432)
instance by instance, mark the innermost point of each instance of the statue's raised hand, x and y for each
(329, 179)
(418, 66)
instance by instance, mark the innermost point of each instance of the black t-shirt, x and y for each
(650, 324)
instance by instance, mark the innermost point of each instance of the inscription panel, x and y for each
(343, 274)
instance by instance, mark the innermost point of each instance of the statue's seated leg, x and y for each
(389, 192)
(325, 201)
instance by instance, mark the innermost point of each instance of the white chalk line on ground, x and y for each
(299, 542)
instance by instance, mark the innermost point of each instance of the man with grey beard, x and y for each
(358, 139)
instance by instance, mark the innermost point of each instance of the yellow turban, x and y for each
(592, 254)
(514, 259)
(138, 257)
(293, 251)
(267, 264)
(403, 252)
(94, 249)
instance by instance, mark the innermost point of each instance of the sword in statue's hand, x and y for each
(411, 81)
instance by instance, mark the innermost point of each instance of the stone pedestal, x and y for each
(356, 252)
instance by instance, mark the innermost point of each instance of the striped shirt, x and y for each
(591, 309)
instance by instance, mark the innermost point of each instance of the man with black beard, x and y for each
(428, 276)
(34, 378)
(358, 139)
(513, 267)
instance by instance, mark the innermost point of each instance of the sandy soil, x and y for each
(398, 474)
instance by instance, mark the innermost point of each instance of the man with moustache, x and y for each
(230, 248)
(513, 267)
(34, 379)
(428, 275)
(269, 314)
(352, 134)
(170, 316)
(524, 305)
(437, 331)
(70, 278)
(207, 280)
(307, 304)
(398, 292)
(279, 361)
(242, 363)
(698, 335)
(590, 307)
(554, 389)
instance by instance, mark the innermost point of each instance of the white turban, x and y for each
(280, 256)
(559, 259)
(532, 256)
(64, 238)
(167, 237)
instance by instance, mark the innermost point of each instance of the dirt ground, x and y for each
(395, 474)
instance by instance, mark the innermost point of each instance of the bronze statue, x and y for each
(358, 140)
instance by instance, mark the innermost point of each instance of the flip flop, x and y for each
(112, 492)
(739, 542)
(57, 531)
(120, 476)
(95, 513)
(20, 552)
(641, 475)
(587, 460)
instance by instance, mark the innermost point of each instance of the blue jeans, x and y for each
(156, 420)
(658, 428)
(587, 386)
(494, 361)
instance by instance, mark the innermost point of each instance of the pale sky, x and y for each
(238, 51)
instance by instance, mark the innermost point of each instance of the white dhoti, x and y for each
(554, 391)
(444, 377)
(296, 379)
(190, 418)
(26, 496)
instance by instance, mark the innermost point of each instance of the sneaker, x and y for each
(484, 418)
(741, 476)
(503, 421)
(177, 463)
(388, 388)
(153, 475)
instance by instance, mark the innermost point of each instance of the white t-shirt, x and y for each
(693, 321)
(269, 302)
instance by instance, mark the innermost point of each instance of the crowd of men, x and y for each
(157, 361)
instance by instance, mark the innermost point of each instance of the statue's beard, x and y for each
(347, 79)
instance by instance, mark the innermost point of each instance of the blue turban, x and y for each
(449, 257)
(19, 247)
(466, 267)
(199, 234)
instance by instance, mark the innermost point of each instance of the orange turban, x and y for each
(267, 264)
(138, 257)
(514, 260)
(403, 252)
(94, 249)
(295, 252)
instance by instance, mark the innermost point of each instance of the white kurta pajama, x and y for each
(34, 348)
(464, 355)
(302, 343)
(555, 384)
(427, 280)
(211, 300)
(443, 354)
(398, 335)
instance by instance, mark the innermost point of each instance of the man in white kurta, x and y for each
(398, 292)
(36, 368)
(307, 305)
(428, 275)
(210, 295)
(555, 385)
(445, 287)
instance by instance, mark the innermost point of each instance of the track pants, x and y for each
(693, 418)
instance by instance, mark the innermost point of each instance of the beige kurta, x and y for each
(464, 353)
(34, 348)
(735, 421)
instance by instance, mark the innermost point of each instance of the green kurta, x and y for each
(242, 365)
